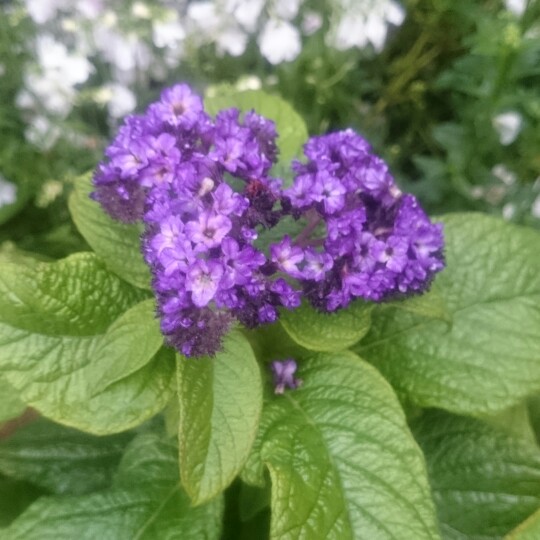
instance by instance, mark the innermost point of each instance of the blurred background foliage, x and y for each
(447, 91)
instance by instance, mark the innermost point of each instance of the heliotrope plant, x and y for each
(267, 345)
(175, 168)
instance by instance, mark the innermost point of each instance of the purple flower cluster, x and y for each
(148, 149)
(203, 188)
(365, 239)
(199, 243)
(173, 167)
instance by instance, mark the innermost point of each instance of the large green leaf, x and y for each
(487, 359)
(327, 331)
(76, 296)
(60, 459)
(485, 482)
(220, 404)
(342, 461)
(11, 405)
(60, 349)
(118, 244)
(145, 502)
(289, 124)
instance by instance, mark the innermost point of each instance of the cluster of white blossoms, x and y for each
(112, 50)
(8, 192)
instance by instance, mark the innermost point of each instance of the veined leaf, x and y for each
(220, 405)
(487, 360)
(145, 502)
(60, 349)
(327, 331)
(342, 461)
(485, 482)
(60, 459)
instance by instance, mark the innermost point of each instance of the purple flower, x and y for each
(283, 372)
(209, 230)
(286, 256)
(329, 191)
(203, 280)
(178, 257)
(317, 265)
(178, 107)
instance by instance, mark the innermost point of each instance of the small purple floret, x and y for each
(283, 372)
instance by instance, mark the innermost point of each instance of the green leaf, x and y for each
(58, 343)
(485, 481)
(220, 404)
(60, 459)
(487, 360)
(145, 502)
(342, 461)
(327, 331)
(118, 244)
(126, 403)
(528, 530)
(271, 342)
(515, 421)
(129, 344)
(430, 305)
(289, 124)
(11, 405)
(76, 296)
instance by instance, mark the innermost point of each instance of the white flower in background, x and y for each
(355, 24)
(517, 7)
(214, 22)
(285, 9)
(50, 85)
(311, 22)
(509, 211)
(90, 9)
(47, 93)
(508, 125)
(245, 12)
(56, 61)
(248, 82)
(126, 53)
(504, 174)
(168, 34)
(42, 133)
(279, 41)
(8, 192)
(232, 41)
(535, 209)
(141, 10)
(42, 11)
(119, 99)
